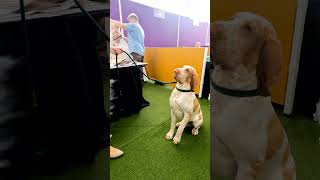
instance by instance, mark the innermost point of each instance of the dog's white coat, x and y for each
(240, 129)
(240, 132)
(185, 108)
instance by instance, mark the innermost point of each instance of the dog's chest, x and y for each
(180, 102)
(241, 119)
(175, 102)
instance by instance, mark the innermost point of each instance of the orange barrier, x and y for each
(162, 62)
(280, 13)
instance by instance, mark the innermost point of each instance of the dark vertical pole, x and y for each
(26, 99)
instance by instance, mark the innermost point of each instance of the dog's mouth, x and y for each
(175, 73)
(176, 77)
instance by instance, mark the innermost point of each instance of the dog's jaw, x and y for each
(238, 79)
(183, 86)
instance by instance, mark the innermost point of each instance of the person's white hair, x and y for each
(133, 15)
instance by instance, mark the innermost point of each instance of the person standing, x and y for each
(135, 36)
(114, 152)
(135, 44)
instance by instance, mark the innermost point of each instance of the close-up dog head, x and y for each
(250, 41)
(186, 74)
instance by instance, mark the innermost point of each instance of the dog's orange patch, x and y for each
(253, 174)
(200, 116)
(196, 106)
(275, 136)
(286, 155)
(288, 173)
(255, 168)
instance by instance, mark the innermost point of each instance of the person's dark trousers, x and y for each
(69, 123)
(71, 119)
(13, 150)
(15, 103)
(65, 122)
(139, 58)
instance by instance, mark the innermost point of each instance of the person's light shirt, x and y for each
(135, 38)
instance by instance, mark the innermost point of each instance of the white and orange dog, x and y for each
(184, 104)
(248, 141)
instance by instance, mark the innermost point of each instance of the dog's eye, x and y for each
(248, 27)
(187, 69)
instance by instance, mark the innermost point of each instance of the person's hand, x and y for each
(116, 50)
(119, 50)
(118, 24)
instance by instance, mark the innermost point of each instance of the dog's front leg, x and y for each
(172, 127)
(185, 120)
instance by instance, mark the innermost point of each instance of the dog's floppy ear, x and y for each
(194, 79)
(269, 65)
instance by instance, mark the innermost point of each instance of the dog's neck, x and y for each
(238, 79)
(183, 86)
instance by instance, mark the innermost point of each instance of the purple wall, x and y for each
(190, 34)
(158, 32)
(114, 10)
(161, 32)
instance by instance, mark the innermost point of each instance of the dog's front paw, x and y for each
(169, 135)
(195, 131)
(176, 140)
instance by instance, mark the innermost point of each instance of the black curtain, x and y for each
(308, 88)
(59, 89)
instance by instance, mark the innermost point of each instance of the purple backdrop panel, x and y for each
(190, 34)
(114, 10)
(158, 32)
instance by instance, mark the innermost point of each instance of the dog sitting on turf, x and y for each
(248, 141)
(184, 104)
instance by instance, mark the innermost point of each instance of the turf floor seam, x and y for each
(142, 135)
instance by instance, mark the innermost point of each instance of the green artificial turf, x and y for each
(148, 155)
(303, 135)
